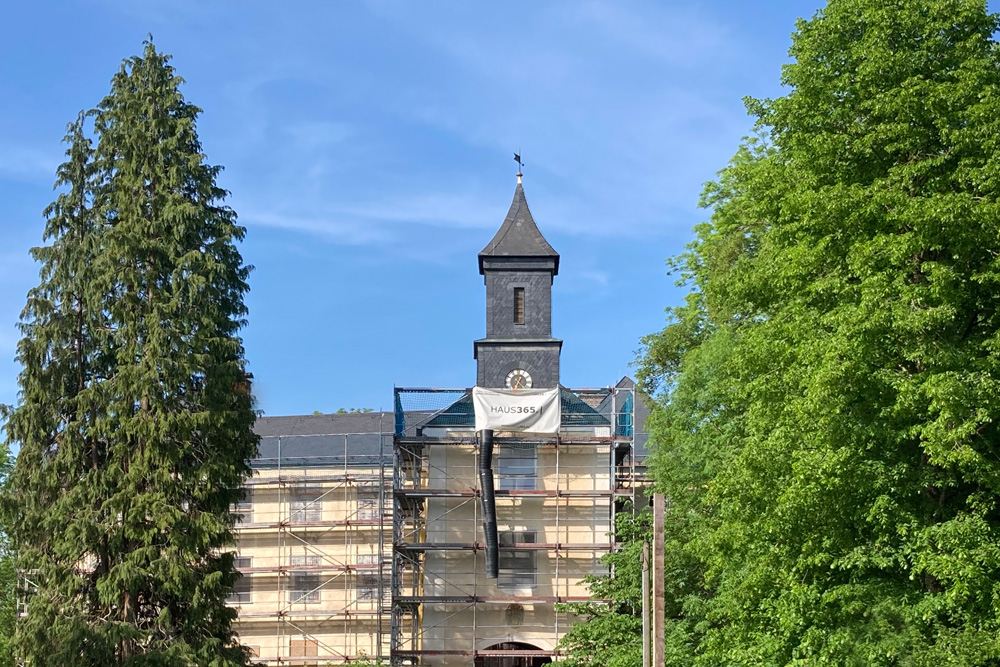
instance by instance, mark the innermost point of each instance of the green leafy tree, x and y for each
(830, 393)
(608, 631)
(365, 661)
(135, 416)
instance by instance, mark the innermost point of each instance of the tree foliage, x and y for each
(608, 631)
(829, 394)
(134, 421)
(8, 582)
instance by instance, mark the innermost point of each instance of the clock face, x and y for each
(518, 379)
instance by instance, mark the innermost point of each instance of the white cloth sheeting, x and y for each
(517, 410)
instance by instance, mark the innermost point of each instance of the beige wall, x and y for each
(566, 505)
(312, 540)
(342, 544)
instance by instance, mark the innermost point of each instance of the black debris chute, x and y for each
(489, 503)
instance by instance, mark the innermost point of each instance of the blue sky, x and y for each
(368, 148)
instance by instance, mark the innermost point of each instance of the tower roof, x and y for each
(518, 236)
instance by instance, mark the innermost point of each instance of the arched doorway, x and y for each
(512, 660)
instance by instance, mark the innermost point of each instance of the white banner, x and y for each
(519, 410)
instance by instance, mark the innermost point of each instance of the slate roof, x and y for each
(354, 422)
(574, 412)
(518, 236)
(362, 440)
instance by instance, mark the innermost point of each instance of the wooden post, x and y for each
(659, 579)
(645, 604)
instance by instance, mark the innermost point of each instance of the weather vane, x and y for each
(520, 164)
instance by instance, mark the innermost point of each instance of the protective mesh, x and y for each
(418, 408)
(365, 450)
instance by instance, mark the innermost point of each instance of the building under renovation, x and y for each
(416, 536)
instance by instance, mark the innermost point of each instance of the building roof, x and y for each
(350, 422)
(575, 412)
(518, 236)
(365, 439)
(352, 440)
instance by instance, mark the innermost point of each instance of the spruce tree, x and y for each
(135, 416)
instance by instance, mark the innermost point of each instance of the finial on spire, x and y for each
(517, 159)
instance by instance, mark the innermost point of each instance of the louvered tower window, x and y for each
(518, 305)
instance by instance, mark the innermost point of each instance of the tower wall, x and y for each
(500, 286)
(496, 360)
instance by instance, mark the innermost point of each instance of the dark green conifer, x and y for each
(135, 418)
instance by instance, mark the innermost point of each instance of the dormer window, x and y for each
(518, 305)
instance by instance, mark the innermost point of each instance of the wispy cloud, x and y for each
(597, 93)
(672, 35)
(379, 135)
(453, 210)
(331, 230)
(380, 222)
(593, 282)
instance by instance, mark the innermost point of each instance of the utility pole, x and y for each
(659, 579)
(645, 604)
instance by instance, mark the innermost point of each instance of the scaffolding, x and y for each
(312, 552)
(370, 544)
(556, 500)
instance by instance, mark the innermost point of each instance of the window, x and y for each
(518, 305)
(303, 648)
(243, 588)
(243, 509)
(517, 568)
(368, 587)
(368, 503)
(367, 559)
(516, 467)
(307, 503)
(304, 588)
(308, 559)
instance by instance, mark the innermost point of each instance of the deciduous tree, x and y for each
(830, 393)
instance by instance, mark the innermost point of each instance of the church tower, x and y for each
(518, 266)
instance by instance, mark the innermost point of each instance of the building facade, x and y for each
(312, 540)
(362, 535)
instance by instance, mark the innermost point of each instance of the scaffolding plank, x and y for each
(486, 599)
(478, 546)
(504, 493)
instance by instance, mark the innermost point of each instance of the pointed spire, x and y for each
(518, 236)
